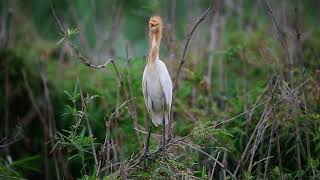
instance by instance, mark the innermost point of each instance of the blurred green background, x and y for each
(232, 56)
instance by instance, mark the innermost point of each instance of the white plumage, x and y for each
(157, 91)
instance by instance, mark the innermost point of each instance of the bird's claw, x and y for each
(146, 156)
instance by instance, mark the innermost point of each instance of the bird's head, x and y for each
(155, 24)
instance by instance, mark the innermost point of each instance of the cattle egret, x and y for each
(156, 82)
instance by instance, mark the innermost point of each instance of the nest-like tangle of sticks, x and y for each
(164, 165)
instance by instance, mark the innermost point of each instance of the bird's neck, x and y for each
(154, 46)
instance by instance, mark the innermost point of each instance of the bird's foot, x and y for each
(146, 155)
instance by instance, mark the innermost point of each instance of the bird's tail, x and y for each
(158, 117)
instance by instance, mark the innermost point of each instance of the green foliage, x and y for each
(210, 134)
(37, 48)
(76, 142)
(165, 166)
(17, 169)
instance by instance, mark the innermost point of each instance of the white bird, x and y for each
(156, 81)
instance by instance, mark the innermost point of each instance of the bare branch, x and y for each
(264, 102)
(86, 62)
(55, 17)
(200, 19)
(282, 35)
(210, 156)
(9, 141)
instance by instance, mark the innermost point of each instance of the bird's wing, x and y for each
(144, 88)
(166, 83)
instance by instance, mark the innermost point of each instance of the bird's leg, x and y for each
(169, 138)
(147, 154)
(169, 130)
(146, 151)
(164, 130)
(163, 145)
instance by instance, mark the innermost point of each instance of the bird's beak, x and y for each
(152, 25)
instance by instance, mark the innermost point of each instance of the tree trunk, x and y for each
(215, 32)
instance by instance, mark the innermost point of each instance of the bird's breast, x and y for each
(153, 85)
